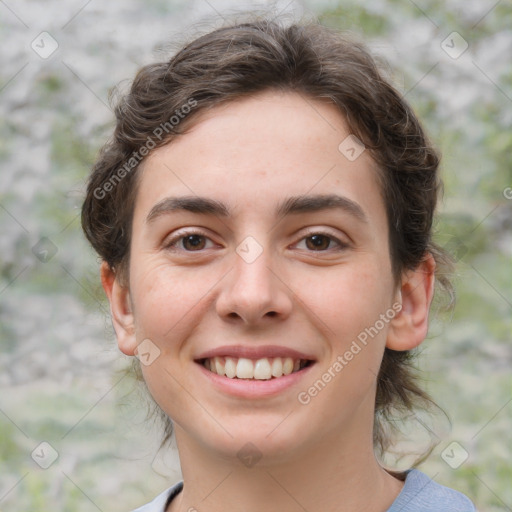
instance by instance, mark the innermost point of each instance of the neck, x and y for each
(337, 474)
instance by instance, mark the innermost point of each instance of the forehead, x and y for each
(253, 152)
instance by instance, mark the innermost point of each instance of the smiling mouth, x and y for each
(266, 368)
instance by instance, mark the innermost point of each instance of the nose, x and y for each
(254, 292)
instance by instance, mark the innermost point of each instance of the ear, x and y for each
(120, 309)
(409, 327)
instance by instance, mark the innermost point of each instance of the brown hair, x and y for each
(317, 62)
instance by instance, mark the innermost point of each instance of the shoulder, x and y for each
(422, 494)
(159, 504)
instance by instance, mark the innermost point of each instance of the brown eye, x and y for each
(322, 242)
(194, 242)
(318, 242)
(189, 242)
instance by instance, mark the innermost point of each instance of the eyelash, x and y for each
(171, 245)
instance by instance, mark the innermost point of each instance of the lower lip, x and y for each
(249, 388)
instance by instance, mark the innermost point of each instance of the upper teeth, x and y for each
(260, 369)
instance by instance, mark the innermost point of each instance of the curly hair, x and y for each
(317, 62)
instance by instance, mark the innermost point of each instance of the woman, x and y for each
(264, 214)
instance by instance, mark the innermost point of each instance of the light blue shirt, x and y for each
(419, 494)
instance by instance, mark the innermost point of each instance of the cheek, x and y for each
(350, 300)
(167, 300)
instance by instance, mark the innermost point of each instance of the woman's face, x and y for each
(260, 247)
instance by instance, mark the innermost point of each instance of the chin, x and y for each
(269, 439)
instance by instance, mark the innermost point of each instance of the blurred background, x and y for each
(73, 430)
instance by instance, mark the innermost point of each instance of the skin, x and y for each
(251, 154)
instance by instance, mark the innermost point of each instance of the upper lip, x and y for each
(251, 352)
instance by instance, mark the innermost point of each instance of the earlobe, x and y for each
(409, 327)
(120, 309)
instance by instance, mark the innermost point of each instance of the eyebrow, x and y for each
(291, 205)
